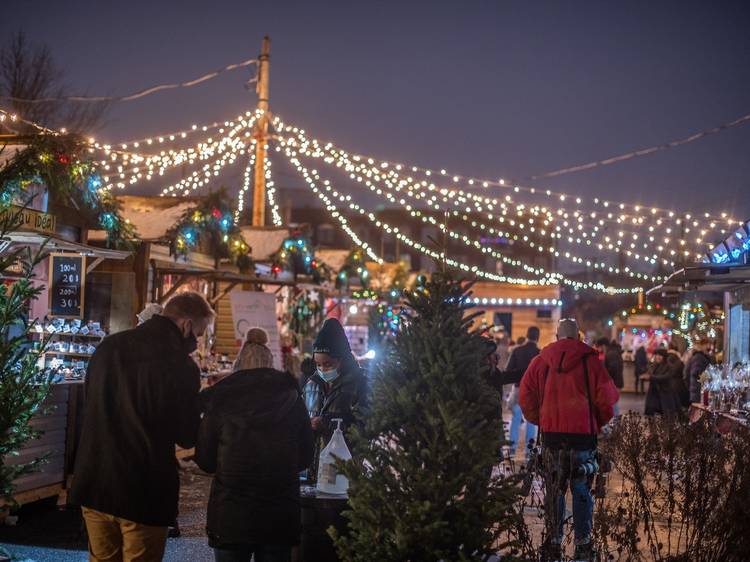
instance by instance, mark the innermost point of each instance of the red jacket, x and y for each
(554, 395)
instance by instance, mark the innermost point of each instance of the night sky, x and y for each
(490, 89)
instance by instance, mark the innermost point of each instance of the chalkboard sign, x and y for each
(67, 279)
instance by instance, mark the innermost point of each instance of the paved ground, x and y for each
(46, 534)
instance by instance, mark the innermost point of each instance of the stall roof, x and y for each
(54, 244)
(151, 216)
(264, 240)
(704, 277)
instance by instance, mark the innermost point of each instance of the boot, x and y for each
(585, 552)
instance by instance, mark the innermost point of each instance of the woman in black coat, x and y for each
(661, 397)
(255, 438)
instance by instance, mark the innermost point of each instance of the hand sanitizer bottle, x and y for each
(330, 480)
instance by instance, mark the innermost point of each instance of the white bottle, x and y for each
(330, 480)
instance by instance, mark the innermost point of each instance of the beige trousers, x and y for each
(114, 539)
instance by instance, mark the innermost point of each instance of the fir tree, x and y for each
(421, 487)
(22, 387)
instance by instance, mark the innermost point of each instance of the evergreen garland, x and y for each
(354, 267)
(60, 163)
(296, 255)
(209, 226)
(420, 484)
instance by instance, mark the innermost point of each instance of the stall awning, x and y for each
(704, 277)
(54, 244)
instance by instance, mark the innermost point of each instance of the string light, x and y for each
(311, 177)
(523, 238)
(333, 210)
(199, 178)
(650, 217)
(577, 234)
(232, 142)
(271, 191)
(246, 180)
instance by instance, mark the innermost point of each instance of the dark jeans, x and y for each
(560, 468)
(262, 552)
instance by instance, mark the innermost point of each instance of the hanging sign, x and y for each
(67, 280)
(29, 219)
(256, 309)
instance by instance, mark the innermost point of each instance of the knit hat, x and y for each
(332, 340)
(256, 335)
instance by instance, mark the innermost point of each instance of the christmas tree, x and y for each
(22, 387)
(421, 484)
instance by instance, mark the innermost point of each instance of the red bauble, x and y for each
(216, 213)
(63, 159)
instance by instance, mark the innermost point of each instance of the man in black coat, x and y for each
(255, 438)
(141, 399)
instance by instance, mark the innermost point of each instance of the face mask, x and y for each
(328, 376)
(190, 342)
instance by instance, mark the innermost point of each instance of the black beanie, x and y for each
(332, 340)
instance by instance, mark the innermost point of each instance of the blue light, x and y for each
(308, 259)
(107, 220)
(300, 242)
(94, 182)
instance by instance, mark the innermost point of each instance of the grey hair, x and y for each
(567, 329)
(253, 356)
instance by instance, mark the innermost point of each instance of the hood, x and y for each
(565, 355)
(266, 396)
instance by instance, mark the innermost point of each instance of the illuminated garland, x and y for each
(551, 278)
(521, 238)
(640, 220)
(247, 177)
(297, 257)
(354, 267)
(389, 183)
(58, 162)
(209, 226)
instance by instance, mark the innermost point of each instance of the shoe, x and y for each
(585, 552)
(174, 532)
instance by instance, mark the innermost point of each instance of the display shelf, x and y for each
(68, 334)
(68, 353)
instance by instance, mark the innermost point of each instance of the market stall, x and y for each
(724, 275)
(72, 316)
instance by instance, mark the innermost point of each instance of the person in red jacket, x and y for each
(567, 392)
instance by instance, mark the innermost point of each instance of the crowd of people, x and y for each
(257, 429)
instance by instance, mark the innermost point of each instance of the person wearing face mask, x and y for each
(141, 399)
(338, 389)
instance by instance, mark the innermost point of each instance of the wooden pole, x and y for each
(261, 136)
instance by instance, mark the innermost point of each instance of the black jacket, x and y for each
(346, 398)
(141, 398)
(614, 364)
(698, 363)
(520, 359)
(662, 396)
(255, 438)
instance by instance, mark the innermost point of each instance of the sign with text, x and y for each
(33, 220)
(67, 280)
(256, 309)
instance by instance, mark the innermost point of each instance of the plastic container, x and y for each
(330, 480)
